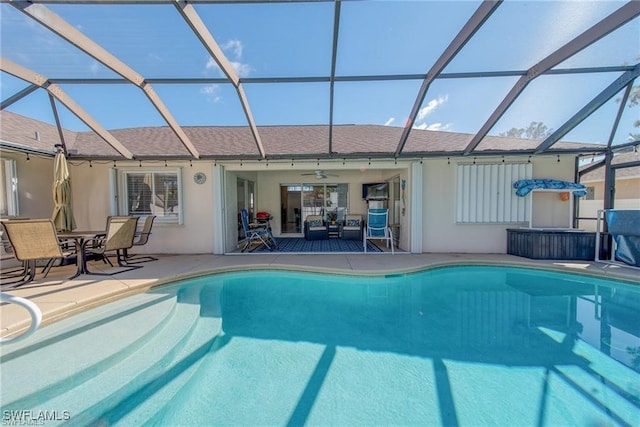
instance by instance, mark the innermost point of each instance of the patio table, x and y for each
(80, 239)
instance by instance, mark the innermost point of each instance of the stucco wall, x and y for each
(441, 233)
(35, 177)
(91, 189)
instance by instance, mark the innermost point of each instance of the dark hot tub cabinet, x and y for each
(551, 243)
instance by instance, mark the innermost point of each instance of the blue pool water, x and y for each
(451, 346)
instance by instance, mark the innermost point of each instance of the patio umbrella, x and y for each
(62, 210)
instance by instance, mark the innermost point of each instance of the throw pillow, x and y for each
(315, 223)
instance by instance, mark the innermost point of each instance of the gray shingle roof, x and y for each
(278, 141)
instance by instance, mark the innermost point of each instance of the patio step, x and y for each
(70, 345)
(142, 410)
(122, 388)
(155, 351)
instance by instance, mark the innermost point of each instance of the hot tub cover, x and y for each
(624, 226)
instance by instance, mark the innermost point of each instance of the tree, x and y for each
(634, 99)
(536, 130)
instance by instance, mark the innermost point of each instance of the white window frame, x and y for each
(122, 195)
(10, 188)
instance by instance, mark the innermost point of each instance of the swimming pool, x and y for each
(473, 345)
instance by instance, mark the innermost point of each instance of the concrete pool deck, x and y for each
(58, 297)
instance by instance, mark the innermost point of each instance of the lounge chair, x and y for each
(315, 228)
(119, 236)
(142, 239)
(351, 228)
(377, 227)
(257, 235)
(33, 240)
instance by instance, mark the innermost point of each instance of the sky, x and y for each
(295, 40)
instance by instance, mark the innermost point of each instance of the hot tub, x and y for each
(551, 243)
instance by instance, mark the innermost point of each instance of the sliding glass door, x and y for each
(301, 200)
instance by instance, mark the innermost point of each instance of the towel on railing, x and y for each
(525, 186)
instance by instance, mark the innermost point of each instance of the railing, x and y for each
(34, 312)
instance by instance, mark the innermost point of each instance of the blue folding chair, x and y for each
(377, 227)
(260, 235)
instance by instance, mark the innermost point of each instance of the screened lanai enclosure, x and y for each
(322, 86)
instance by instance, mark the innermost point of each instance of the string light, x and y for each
(190, 163)
(90, 164)
(502, 159)
(558, 158)
(529, 160)
(165, 163)
(291, 162)
(114, 164)
(420, 160)
(28, 157)
(448, 160)
(474, 160)
(140, 165)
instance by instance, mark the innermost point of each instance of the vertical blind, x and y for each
(485, 193)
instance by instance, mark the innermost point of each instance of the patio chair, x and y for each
(10, 267)
(142, 239)
(255, 234)
(315, 228)
(351, 228)
(33, 240)
(119, 236)
(377, 227)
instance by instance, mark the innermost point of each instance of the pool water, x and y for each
(451, 346)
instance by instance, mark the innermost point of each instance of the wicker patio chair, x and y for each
(351, 228)
(33, 240)
(315, 228)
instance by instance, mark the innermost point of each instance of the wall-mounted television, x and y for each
(375, 191)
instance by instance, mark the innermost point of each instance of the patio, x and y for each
(58, 297)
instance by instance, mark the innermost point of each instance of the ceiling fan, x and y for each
(320, 174)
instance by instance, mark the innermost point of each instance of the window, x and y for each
(485, 193)
(153, 193)
(591, 193)
(8, 188)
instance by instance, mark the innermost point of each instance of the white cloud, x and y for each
(431, 106)
(211, 92)
(212, 64)
(241, 69)
(235, 46)
(388, 122)
(432, 126)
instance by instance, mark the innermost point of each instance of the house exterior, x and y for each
(441, 201)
